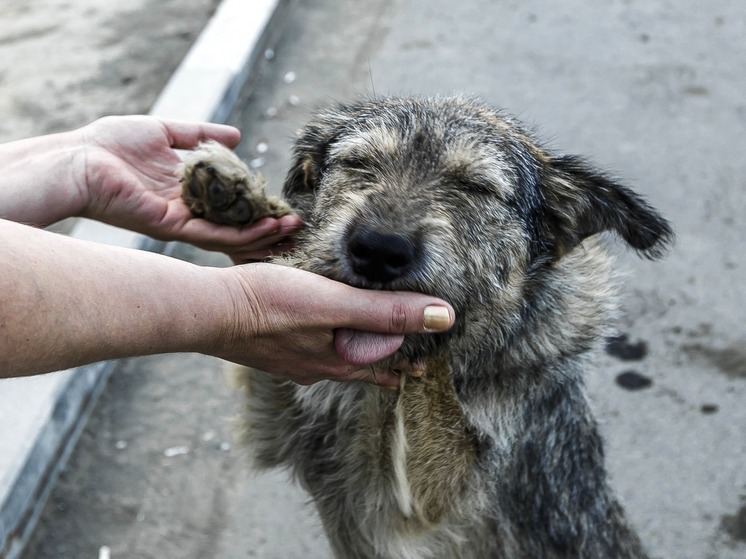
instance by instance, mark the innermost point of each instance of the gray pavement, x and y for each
(652, 91)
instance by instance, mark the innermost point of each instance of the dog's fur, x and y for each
(493, 452)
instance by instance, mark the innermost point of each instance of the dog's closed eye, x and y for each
(473, 185)
(355, 163)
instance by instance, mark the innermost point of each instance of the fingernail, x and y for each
(436, 318)
(417, 373)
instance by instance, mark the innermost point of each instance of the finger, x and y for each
(255, 252)
(399, 313)
(362, 348)
(266, 240)
(186, 135)
(270, 245)
(275, 240)
(223, 237)
(260, 235)
(290, 224)
(411, 368)
(257, 255)
(372, 375)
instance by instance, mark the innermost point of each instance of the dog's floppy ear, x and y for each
(583, 202)
(309, 156)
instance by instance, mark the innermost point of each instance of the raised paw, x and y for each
(219, 187)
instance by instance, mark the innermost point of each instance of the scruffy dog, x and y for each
(493, 451)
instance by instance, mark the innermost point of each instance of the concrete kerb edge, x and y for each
(76, 395)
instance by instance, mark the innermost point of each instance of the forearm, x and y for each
(67, 302)
(43, 179)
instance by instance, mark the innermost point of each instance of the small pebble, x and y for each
(120, 445)
(257, 162)
(289, 77)
(294, 100)
(175, 451)
(271, 112)
(262, 147)
(225, 446)
(269, 54)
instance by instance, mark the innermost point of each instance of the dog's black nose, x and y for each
(381, 257)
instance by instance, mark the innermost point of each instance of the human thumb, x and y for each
(359, 347)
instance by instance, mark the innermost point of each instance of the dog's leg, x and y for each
(556, 491)
(219, 187)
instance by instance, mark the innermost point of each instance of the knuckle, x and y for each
(398, 323)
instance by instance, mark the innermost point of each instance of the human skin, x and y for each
(121, 171)
(67, 302)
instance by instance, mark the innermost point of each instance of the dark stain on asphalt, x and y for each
(735, 524)
(731, 360)
(632, 380)
(623, 349)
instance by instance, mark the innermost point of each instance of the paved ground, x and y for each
(66, 63)
(651, 90)
(73, 61)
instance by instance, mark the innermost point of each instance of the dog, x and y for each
(492, 451)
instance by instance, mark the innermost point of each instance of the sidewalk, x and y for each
(41, 418)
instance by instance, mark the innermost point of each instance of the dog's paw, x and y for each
(219, 187)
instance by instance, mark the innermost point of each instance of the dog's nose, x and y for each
(381, 257)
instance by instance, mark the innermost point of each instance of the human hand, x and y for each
(129, 181)
(309, 328)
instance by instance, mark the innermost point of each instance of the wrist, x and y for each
(230, 312)
(45, 179)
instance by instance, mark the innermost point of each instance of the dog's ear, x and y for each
(583, 202)
(309, 156)
(301, 182)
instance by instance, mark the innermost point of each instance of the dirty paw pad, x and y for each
(218, 186)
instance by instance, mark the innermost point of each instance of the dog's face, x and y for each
(450, 198)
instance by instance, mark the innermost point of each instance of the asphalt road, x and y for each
(652, 91)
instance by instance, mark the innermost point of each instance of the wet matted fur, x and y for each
(493, 452)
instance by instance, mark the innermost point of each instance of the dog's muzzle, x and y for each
(382, 257)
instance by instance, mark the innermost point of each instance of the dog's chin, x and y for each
(361, 282)
(416, 347)
(420, 347)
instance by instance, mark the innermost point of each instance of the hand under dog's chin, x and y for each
(360, 347)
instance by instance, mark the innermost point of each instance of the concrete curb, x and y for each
(41, 418)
